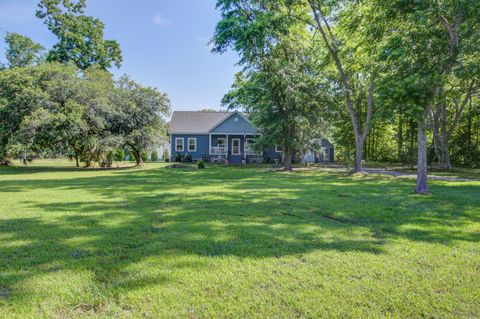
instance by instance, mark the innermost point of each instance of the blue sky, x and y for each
(164, 44)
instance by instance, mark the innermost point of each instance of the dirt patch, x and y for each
(5, 293)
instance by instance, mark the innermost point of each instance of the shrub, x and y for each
(154, 156)
(188, 158)
(5, 162)
(178, 157)
(201, 164)
(144, 156)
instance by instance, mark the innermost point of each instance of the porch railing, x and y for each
(218, 150)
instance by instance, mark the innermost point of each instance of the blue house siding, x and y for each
(270, 154)
(233, 158)
(236, 123)
(202, 145)
(236, 126)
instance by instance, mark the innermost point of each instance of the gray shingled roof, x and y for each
(195, 122)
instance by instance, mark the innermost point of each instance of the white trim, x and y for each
(188, 144)
(235, 133)
(239, 146)
(227, 145)
(209, 144)
(189, 133)
(176, 144)
(277, 150)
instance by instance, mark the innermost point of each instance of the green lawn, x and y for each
(234, 242)
(458, 172)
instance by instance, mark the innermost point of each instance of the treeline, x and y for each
(394, 81)
(53, 107)
(65, 102)
(395, 140)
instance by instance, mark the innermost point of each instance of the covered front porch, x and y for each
(233, 148)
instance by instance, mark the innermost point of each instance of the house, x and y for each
(321, 151)
(218, 137)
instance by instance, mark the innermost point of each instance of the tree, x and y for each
(280, 85)
(22, 51)
(20, 96)
(350, 56)
(254, 24)
(421, 58)
(459, 69)
(281, 100)
(73, 117)
(81, 37)
(139, 116)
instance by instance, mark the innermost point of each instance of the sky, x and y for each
(164, 44)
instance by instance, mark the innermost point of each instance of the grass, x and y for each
(458, 172)
(234, 242)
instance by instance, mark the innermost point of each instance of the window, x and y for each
(192, 144)
(236, 146)
(179, 144)
(278, 149)
(221, 142)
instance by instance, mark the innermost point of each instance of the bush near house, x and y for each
(178, 157)
(154, 156)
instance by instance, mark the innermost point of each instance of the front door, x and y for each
(236, 154)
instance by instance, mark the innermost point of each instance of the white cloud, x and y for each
(158, 19)
(16, 13)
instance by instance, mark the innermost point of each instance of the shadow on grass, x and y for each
(244, 213)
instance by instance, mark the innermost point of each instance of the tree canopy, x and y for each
(405, 71)
(80, 37)
(59, 109)
(21, 50)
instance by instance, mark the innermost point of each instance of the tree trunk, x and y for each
(287, 161)
(374, 145)
(422, 183)
(358, 168)
(400, 138)
(77, 162)
(444, 153)
(138, 156)
(412, 146)
(441, 137)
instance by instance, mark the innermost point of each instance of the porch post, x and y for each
(244, 147)
(209, 144)
(226, 156)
